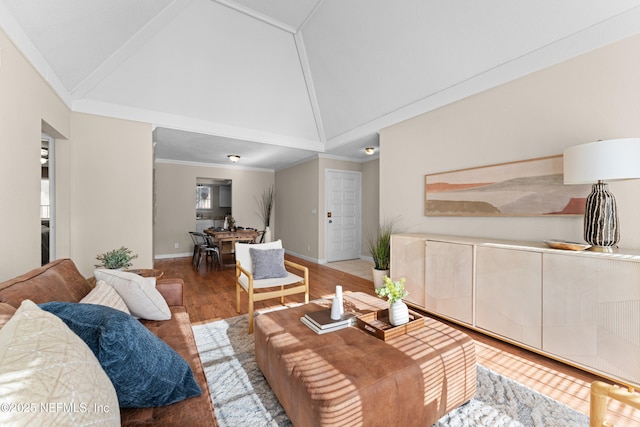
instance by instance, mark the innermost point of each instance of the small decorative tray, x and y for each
(377, 324)
(571, 246)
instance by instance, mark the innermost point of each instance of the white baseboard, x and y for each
(180, 255)
(304, 257)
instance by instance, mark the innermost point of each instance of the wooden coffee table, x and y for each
(349, 377)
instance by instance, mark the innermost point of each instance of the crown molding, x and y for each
(234, 166)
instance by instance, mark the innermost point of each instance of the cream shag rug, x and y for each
(242, 397)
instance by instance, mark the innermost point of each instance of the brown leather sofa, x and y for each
(61, 281)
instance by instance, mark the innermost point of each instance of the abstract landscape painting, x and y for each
(527, 188)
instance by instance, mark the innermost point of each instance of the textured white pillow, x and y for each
(139, 293)
(104, 294)
(49, 376)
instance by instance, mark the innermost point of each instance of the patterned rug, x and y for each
(242, 397)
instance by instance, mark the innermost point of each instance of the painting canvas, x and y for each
(527, 188)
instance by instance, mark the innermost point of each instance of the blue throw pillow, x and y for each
(267, 263)
(144, 370)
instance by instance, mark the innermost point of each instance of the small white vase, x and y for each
(398, 313)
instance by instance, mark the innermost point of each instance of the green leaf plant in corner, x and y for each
(392, 290)
(116, 259)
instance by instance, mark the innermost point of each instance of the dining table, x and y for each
(226, 240)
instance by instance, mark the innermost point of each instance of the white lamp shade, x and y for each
(610, 160)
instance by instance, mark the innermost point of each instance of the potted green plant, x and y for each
(394, 291)
(116, 259)
(379, 244)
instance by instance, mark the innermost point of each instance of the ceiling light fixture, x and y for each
(233, 157)
(370, 150)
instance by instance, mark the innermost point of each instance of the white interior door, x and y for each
(343, 215)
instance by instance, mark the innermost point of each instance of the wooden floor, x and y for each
(209, 294)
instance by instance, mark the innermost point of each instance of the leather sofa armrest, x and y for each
(6, 312)
(171, 290)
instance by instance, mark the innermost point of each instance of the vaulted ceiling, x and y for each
(280, 81)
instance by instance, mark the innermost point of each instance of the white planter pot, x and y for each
(378, 276)
(398, 313)
(267, 235)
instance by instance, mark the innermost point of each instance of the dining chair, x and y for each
(261, 267)
(208, 249)
(197, 246)
(212, 251)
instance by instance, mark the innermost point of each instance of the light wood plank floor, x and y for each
(209, 295)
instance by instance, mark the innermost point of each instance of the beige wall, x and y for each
(301, 189)
(591, 97)
(370, 202)
(111, 189)
(296, 197)
(175, 202)
(25, 101)
(103, 175)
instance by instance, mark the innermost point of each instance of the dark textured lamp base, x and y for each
(601, 219)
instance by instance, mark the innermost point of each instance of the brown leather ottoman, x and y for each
(348, 377)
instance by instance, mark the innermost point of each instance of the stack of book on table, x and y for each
(321, 322)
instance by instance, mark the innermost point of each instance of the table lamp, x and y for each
(595, 162)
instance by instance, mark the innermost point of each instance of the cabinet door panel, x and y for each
(509, 293)
(407, 260)
(592, 313)
(449, 280)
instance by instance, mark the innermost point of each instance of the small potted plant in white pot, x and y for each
(380, 250)
(117, 259)
(394, 291)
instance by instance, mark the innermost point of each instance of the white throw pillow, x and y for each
(139, 293)
(104, 294)
(49, 376)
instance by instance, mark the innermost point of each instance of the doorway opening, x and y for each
(213, 202)
(47, 199)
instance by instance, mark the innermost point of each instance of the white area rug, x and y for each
(242, 397)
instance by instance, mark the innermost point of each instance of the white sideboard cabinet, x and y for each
(592, 312)
(409, 263)
(582, 308)
(509, 293)
(449, 279)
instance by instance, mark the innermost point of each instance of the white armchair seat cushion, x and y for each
(269, 283)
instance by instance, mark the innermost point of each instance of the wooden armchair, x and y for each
(271, 287)
(600, 392)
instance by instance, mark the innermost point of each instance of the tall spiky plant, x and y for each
(265, 205)
(380, 245)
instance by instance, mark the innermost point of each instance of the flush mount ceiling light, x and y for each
(370, 150)
(233, 157)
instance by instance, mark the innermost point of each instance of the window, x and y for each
(203, 196)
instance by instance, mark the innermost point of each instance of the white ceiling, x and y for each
(281, 81)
